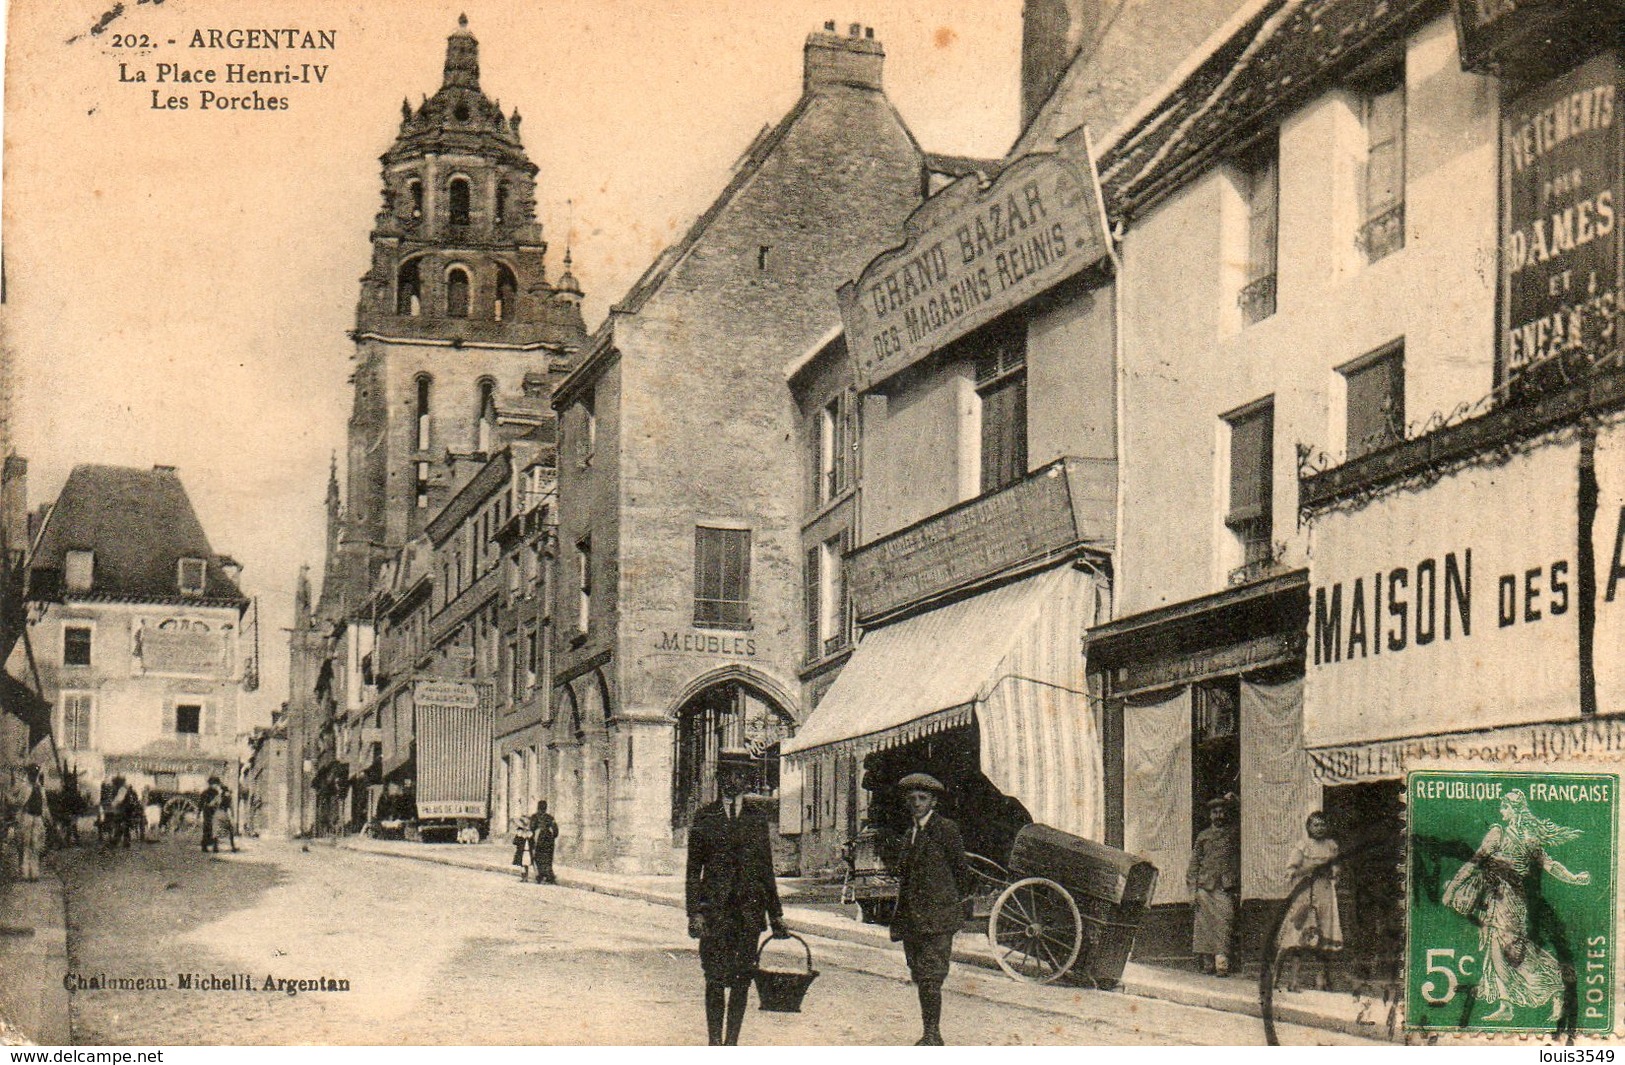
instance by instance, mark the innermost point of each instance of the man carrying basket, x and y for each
(731, 895)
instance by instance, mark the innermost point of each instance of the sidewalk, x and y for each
(33, 960)
(1313, 1009)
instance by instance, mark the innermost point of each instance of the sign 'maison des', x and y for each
(1560, 228)
(970, 254)
(1416, 590)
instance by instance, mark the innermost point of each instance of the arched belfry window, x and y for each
(458, 194)
(486, 415)
(408, 290)
(457, 292)
(507, 289)
(414, 192)
(500, 215)
(425, 394)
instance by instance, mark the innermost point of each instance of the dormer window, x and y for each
(193, 575)
(79, 570)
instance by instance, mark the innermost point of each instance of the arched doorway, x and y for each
(729, 713)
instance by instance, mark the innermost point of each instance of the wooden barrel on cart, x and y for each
(1110, 888)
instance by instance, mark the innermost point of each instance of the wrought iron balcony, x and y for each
(1257, 299)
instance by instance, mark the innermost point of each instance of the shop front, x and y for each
(1204, 700)
(1468, 618)
(986, 692)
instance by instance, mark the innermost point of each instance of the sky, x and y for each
(180, 282)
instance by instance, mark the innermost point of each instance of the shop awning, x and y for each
(1009, 658)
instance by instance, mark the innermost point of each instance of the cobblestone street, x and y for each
(441, 955)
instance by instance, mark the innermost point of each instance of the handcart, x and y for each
(1066, 907)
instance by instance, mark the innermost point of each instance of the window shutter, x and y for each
(810, 598)
(169, 718)
(840, 443)
(211, 723)
(844, 625)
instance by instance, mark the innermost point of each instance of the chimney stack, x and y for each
(854, 60)
(1053, 32)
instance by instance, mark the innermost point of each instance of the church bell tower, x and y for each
(459, 334)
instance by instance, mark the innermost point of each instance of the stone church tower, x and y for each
(459, 334)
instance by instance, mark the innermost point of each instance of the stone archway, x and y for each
(733, 708)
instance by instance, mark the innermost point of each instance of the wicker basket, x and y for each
(782, 992)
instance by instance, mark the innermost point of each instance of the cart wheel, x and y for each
(182, 816)
(1035, 930)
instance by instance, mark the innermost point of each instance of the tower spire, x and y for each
(462, 58)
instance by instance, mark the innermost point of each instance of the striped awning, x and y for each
(1010, 659)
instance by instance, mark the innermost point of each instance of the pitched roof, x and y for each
(140, 524)
(1272, 58)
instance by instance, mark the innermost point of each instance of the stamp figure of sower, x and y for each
(1491, 888)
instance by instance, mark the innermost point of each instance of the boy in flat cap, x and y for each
(731, 895)
(934, 879)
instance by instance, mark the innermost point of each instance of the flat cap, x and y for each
(921, 782)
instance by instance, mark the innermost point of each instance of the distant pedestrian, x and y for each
(217, 816)
(116, 812)
(933, 881)
(544, 833)
(135, 816)
(28, 800)
(1214, 878)
(731, 895)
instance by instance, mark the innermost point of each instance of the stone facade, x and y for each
(677, 430)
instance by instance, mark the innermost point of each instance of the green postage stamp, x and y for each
(1511, 909)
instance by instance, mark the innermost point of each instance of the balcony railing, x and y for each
(1257, 299)
(1383, 234)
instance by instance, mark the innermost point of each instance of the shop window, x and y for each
(79, 570)
(408, 290)
(1376, 400)
(1252, 474)
(1261, 185)
(722, 577)
(76, 645)
(75, 734)
(458, 199)
(425, 385)
(192, 574)
(456, 292)
(1001, 384)
(1382, 111)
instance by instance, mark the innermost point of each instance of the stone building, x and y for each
(137, 633)
(1340, 375)
(459, 337)
(679, 485)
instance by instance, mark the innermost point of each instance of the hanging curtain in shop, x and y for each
(1157, 788)
(1278, 786)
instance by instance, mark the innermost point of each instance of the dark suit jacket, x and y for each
(935, 878)
(730, 868)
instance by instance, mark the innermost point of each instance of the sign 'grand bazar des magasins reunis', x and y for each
(971, 253)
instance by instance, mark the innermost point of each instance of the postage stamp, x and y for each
(1511, 915)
